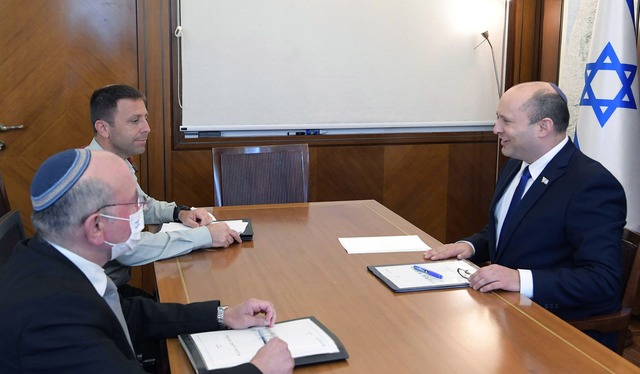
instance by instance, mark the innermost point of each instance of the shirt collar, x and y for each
(94, 273)
(95, 146)
(538, 165)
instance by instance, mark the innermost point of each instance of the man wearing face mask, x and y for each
(136, 225)
(60, 313)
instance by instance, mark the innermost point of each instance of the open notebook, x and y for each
(309, 341)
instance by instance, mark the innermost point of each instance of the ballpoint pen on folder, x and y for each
(427, 271)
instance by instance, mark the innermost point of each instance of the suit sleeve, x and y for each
(594, 221)
(480, 241)
(148, 319)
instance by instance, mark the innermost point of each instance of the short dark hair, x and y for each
(104, 101)
(543, 104)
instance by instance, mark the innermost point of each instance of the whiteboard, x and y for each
(338, 64)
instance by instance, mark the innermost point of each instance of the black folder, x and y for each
(199, 365)
(453, 274)
(247, 234)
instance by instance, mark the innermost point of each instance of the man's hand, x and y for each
(458, 250)
(195, 217)
(222, 235)
(274, 358)
(249, 313)
(495, 277)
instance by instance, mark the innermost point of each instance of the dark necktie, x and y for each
(113, 299)
(515, 200)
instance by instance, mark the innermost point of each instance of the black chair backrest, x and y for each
(4, 199)
(11, 232)
(618, 322)
(630, 267)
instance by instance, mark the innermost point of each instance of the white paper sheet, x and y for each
(237, 225)
(382, 244)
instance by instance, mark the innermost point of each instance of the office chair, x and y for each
(11, 232)
(4, 199)
(270, 174)
(618, 322)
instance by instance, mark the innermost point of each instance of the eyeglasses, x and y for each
(142, 203)
(464, 273)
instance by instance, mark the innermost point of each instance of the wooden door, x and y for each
(53, 54)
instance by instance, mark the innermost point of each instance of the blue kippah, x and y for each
(57, 175)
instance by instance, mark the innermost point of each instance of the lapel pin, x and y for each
(545, 180)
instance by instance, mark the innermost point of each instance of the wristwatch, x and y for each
(221, 310)
(176, 212)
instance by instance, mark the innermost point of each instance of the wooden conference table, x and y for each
(296, 261)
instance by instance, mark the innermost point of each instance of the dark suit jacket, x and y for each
(53, 320)
(567, 229)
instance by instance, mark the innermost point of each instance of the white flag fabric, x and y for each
(608, 126)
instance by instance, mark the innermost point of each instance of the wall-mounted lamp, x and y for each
(485, 35)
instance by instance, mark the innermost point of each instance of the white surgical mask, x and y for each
(136, 224)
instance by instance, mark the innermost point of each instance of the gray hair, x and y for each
(59, 220)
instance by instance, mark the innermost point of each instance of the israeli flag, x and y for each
(608, 124)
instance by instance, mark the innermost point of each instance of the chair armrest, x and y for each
(612, 322)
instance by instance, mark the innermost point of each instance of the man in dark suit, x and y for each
(561, 244)
(60, 313)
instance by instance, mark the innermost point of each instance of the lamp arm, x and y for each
(495, 70)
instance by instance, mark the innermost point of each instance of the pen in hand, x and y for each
(427, 271)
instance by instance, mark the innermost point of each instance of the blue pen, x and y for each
(427, 271)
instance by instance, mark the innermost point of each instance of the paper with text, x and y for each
(227, 348)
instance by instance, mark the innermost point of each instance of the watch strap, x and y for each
(176, 212)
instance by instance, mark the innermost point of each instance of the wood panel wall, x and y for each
(533, 48)
(441, 182)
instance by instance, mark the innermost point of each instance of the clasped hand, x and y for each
(221, 234)
(249, 313)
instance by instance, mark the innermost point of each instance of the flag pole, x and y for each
(637, 8)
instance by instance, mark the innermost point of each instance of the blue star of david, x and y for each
(604, 108)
